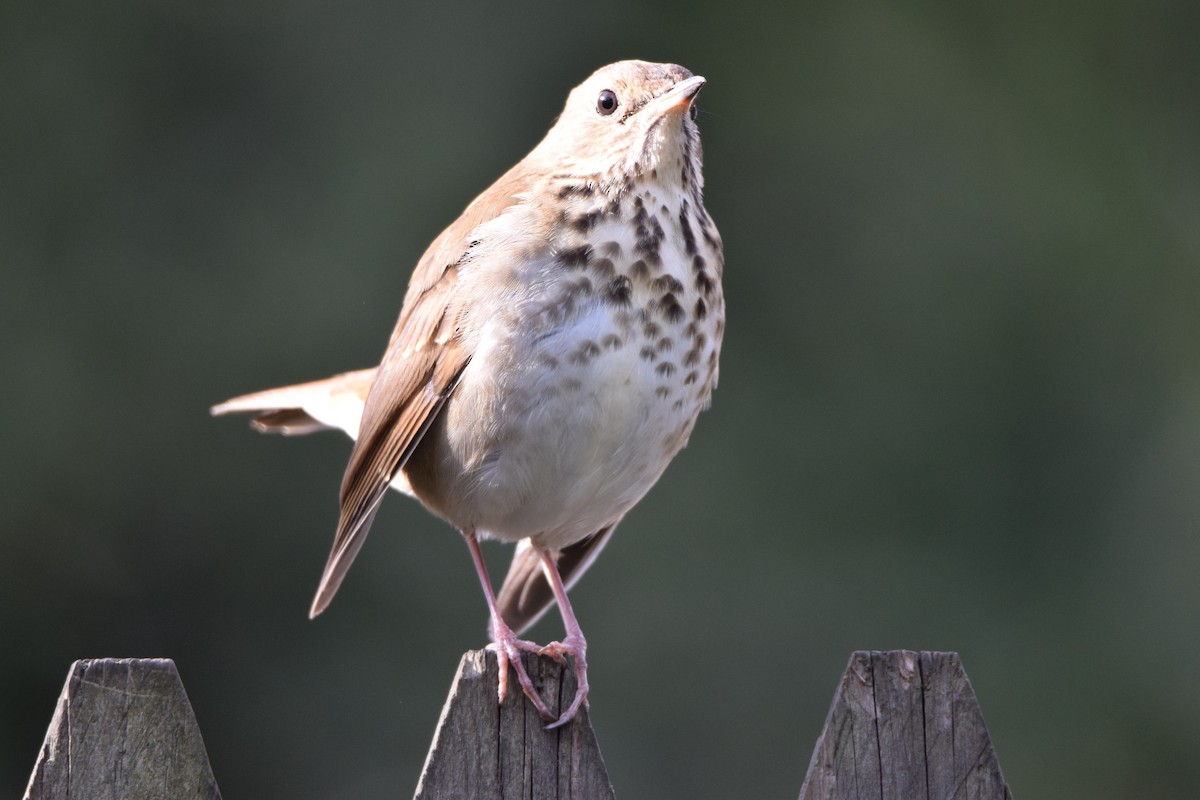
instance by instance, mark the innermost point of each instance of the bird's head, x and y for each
(628, 120)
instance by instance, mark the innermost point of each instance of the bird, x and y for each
(555, 347)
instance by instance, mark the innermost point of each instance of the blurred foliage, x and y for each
(959, 409)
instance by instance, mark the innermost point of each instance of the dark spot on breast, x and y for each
(647, 353)
(685, 225)
(618, 291)
(664, 344)
(670, 308)
(610, 249)
(691, 378)
(665, 368)
(612, 341)
(586, 351)
(663, 392)
(585, 222)
(666, 283)
(651, 329)
(603, 267)
(639, 269)
(548, 361)
(576, 257)
(649, 236)
(701, 308)
(575, 190)
(692, 358)
(704, 283)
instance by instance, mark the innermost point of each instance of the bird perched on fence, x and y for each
(556, 344)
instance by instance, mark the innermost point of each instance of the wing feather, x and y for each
(425, 357)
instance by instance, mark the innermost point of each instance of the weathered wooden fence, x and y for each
(903, 725)
(123, 729)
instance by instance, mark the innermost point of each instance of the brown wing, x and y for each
(526, 595)
(424, 359)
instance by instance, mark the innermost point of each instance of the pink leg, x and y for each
(573, 643)
(506, 643)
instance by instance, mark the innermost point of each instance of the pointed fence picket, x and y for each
(903, 724)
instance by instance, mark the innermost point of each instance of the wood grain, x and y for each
(123, 728)
(486, 751)
(904, 725)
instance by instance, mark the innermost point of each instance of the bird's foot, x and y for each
(509, 648)
(576, 647)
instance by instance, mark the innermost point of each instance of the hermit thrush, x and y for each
(555, 347)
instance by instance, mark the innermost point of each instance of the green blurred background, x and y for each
(959, 404)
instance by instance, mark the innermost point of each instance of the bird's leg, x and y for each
(505, 643)
(573, 644)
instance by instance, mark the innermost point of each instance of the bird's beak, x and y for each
(679, 96)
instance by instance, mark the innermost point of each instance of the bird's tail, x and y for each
(331, 404)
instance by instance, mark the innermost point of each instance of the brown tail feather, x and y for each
(330, 404)
(525, 594)
(289, 422)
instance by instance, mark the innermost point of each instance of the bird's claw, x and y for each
(577, 649)
(510, 648)
(556, 651)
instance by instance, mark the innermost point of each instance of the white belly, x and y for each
(556, 436)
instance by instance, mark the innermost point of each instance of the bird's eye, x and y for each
(606, 103)
(694, 112)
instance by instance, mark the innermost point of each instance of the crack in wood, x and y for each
(891, 709)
